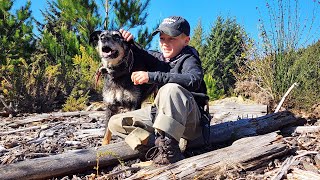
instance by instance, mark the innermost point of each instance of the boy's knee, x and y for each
(170, 88)
(113, 123)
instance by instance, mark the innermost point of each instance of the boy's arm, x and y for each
(190, 76)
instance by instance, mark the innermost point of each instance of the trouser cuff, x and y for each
(169, 126)
(137, 137)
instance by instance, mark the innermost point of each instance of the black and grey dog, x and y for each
(119, 60)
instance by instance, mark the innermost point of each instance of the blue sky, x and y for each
(245, 12)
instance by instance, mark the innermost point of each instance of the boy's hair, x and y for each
(173, 26)
(184, 35)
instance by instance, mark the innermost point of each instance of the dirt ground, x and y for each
(26, 137)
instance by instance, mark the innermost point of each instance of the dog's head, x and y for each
(111, 46)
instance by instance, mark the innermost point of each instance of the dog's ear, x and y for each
(94, 37)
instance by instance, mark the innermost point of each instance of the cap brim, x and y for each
(168, 31)
(155, 32)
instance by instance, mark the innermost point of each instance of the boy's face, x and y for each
(172, 46)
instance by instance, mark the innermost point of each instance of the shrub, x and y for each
(77, 101)
(82, 76)
(212, 88)
(280, 63)
(31, 87)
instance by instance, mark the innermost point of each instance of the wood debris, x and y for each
(59, 137)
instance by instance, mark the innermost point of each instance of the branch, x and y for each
(284, 97)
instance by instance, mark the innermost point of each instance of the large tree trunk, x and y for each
(78, 161)
(244, 154)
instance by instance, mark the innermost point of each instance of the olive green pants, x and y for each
(178, 115)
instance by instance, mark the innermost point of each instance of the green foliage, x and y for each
(197, 40)
(129, 15)
(101, 154)
(39, 78)
(31, 87)
(84, 67)
(16, 37)
(212, 89)
(65, 35)
(77, 101)
(307, 68)
(144, 37)
(225, 51)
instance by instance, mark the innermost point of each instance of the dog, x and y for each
(118, 61)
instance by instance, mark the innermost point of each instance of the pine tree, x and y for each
(68, 25)
(224, 52)
(129, 14)
(197, 40)
(16, 37)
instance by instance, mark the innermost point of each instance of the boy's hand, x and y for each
(140, 77)
(126, 35)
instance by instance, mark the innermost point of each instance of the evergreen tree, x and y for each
(16, 37)
(129, 14)
(224, 52)
(197, 40)
(68, 25)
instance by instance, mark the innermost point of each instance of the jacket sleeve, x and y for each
(187, 72)
(151, 59)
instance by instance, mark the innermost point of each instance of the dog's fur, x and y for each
(118, 62)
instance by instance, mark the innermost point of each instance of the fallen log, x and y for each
(67, 163)
(302, 129)
(233, 130)
(20, 130)
(302, 175)
(244, 154)
(232, 111)
(78, 161)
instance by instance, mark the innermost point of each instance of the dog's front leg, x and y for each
(107, 135)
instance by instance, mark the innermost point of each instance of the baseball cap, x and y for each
(173, 26)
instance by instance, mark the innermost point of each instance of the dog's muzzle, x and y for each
(107, 52)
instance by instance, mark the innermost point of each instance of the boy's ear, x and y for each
(94, 37)
(187, 40)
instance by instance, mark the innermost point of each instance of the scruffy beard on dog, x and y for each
(118, 62)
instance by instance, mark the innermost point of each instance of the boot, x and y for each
(168, 151)
(146, 146)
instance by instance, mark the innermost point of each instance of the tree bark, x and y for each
(67, 163)
(244, 154)
(233, 130)
(79, 161)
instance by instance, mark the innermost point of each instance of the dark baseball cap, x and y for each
(173, 26)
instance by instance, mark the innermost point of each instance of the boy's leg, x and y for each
(135, 127)
(178, 112)
(178, 117)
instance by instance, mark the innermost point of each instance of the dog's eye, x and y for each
(117, 35)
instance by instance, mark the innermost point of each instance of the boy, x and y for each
(175, 113)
